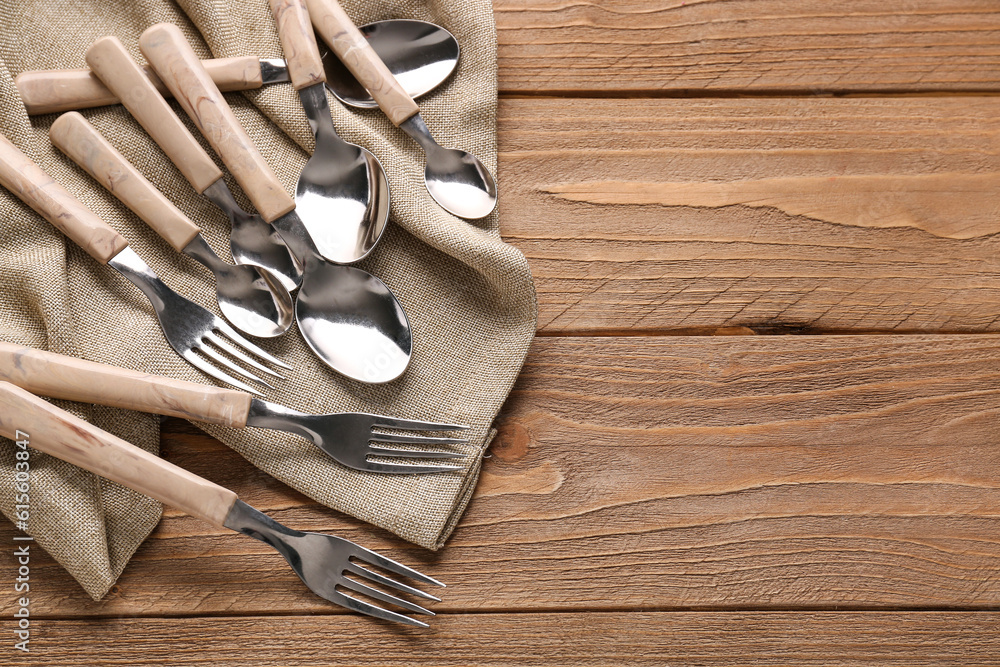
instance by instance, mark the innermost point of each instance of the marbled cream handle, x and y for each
(58, 90)
(177, 65)
(298, 42)
(108, 59)
(85, 145)
(34, 187)
(71, 379)
(65, 436)
(337, 30)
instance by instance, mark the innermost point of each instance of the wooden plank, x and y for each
(500, 640)
(801, 215)
(768, 46)
(655, 473)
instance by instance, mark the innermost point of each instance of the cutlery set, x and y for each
(348, 317)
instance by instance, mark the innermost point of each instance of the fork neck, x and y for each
(277, 417)
(142, 276)
(251, 522)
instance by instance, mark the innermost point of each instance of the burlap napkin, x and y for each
(468, 295)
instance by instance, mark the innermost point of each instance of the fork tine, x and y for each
(378, 612)
(414, 453)
(221, 342)
(407, 468)
(416, 439)
(203, 365)
(218, 358)
(382, 596)
(247, 345)
(414, 425)
(372, 558)
(390, 583)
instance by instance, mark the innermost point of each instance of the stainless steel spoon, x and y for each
(342, 196)
(347, 316)
(252, 241)
(456, 180)
(420, 55)
(251, 301)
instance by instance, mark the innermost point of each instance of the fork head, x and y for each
(359, 440)
(194, 332)
(336, 569)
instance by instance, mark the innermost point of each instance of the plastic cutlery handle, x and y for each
(35, 188)
(82, 142)
(298, 42)
(65, 436)
(58, 90)
(337, 30)
(108, 59)
(71, 379)
(177, 65)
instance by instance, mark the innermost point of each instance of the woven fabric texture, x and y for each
(468, 295)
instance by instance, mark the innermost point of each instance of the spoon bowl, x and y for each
(342, 196)
(253, 242)
(419, 54)
(252, 302)
(354, 323)
(251, 298)
(460, 183)
(347, 316)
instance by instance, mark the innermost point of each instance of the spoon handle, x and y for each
(343, 36)
(65, 436)
(110, 61)
(58, 90)
(177, 65)
(71, 379)
(29, 183)
(85, 145)
(298, 42)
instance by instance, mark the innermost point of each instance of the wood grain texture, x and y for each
(29, 183)
(747, 46)
(55, 91)
(342, 35)
(87, 147)
(168, 51)
(65, 436)
(751, 472)
(786, 214)
(513, 640)
(298, 42)
(59, 376)
(110, 61)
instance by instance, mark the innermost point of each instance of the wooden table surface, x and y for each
(761, 420)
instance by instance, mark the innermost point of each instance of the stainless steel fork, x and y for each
(194, 332)
(356, 440)
(329, 565)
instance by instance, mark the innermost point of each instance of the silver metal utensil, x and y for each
(249, 298)
(332, 567)
(347, 316)
(356, 440)
(252, 242)
(194, 332)
(419, 54)
(342, 196)
(456, 180)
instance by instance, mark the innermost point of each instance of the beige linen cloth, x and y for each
(468, 295)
